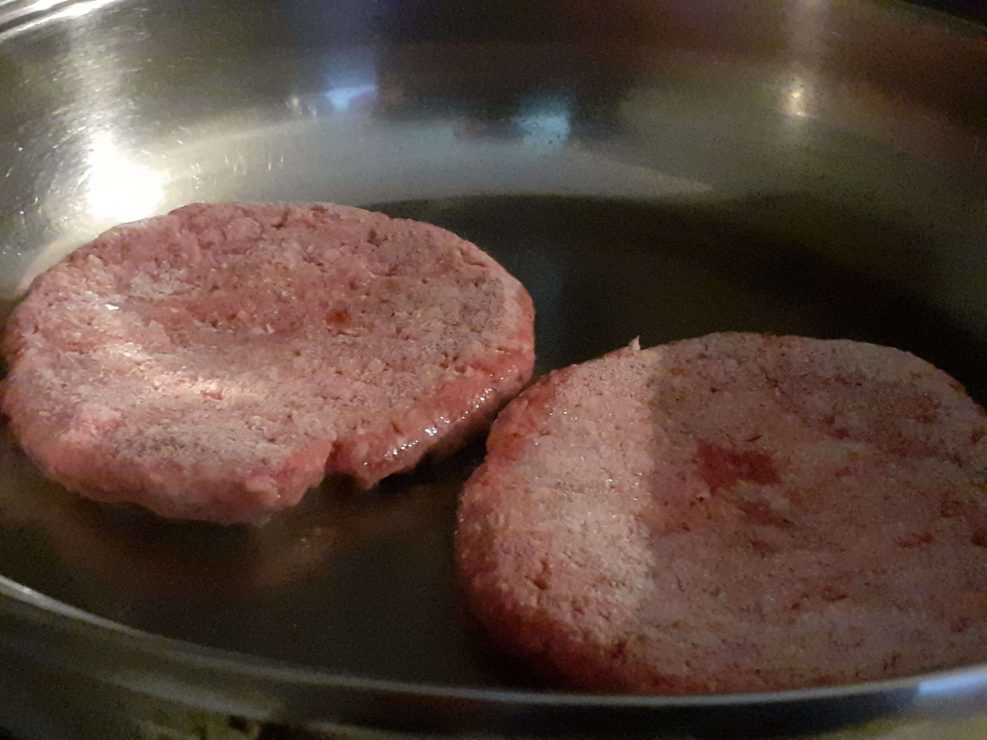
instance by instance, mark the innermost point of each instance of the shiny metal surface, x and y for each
(653, 169)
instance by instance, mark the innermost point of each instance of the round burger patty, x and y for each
(217, 362)
(733, 513)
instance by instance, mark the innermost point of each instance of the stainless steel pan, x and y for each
(660, 169)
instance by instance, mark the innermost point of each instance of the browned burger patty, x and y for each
(733, 513)
(217, 362)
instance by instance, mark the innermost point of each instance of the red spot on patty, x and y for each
(338, 317)
(722, 468)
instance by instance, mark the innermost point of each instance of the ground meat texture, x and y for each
(733, 513)
(217, 362)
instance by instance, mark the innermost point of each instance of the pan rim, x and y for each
(36, 606)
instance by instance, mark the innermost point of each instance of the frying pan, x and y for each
(652, 169)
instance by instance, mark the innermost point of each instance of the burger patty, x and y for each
(217, 362)
(733, 513)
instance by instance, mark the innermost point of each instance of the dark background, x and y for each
(973, 10)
